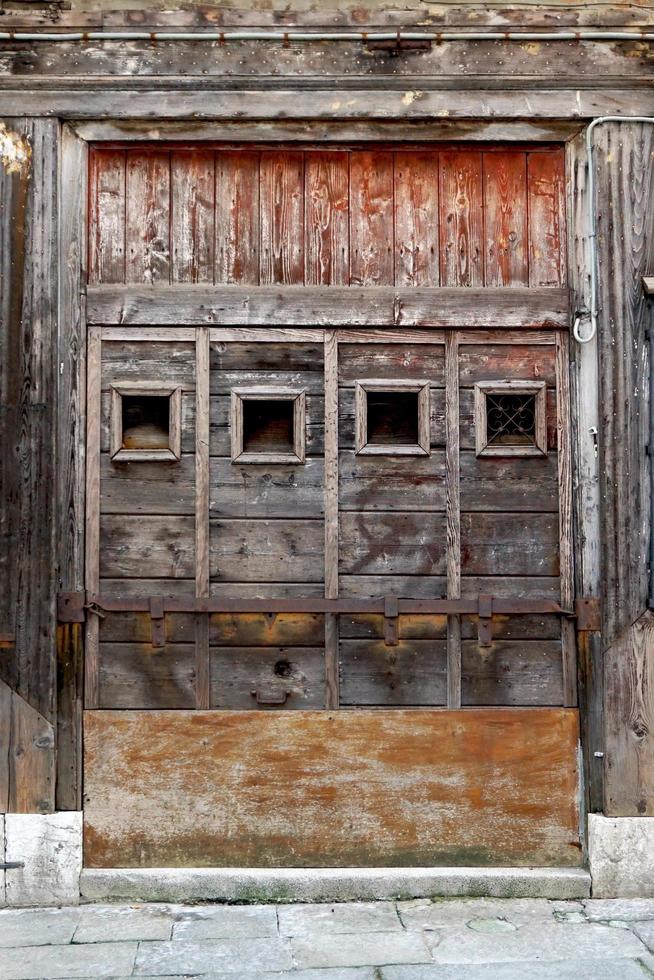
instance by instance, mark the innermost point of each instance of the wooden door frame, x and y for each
(73, 358)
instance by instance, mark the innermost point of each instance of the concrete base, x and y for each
(621, 856)
(2, 858)
(328, 885)
(50, 847)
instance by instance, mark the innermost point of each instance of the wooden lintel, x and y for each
(330, 306)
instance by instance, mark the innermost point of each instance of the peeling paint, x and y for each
(15, 151)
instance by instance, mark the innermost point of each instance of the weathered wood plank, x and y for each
(326, 203)
(416, 219)
(282, 220)
(386, 483)
(546, 216)
(279, 490)
(147, 217)
(505, 219)
(495, 362)
(453, 516)
(202, 512)
(629, 713)
(192, 181)
(331, 507)
(266, 550)
(461, 233)
(392, 797)
(92, 515)
(237, 218)
(368, 586)
(107, 215)
(248, 677)
(512, 672)
(509, 544)
(32, 764)
(160, 362)
(148, 488)
(391, 543)
(380, 361)
(566, 545)
(371, 218)
(500, 483)
(138, 545)
(411, 674)
(330, 306)
(137, 676)
(5, 744)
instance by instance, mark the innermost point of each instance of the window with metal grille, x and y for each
(510, 418)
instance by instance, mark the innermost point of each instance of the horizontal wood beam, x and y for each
(331, 306)
(119, 101)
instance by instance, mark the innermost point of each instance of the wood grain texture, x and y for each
(461, 219)
(107, 233)
(147, 217)
(566, 545)
(29, 773)
(202, 509)
(404, 788)
(371, 218)
(546, 216)
(192, 210)
(282, 219)
(237, 218)
(629, 680)
(505, 219)
(326, 202)
(453, 503)
(416, 219)
(92, 516)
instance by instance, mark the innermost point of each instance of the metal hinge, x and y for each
(588, 613)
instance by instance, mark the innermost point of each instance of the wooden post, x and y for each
(331, 516)
(92, 521)
(202, 657)
(453, 506)
(566, 558)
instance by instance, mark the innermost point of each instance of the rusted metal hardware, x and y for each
(485, 621)
(391, 614)
(398, 45)
(588, 613)
(71, 607)
(7, 640)
(272, 696)
(11, 865)
(158, 623)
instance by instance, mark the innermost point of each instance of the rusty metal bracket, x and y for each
(157, 621)
(588, 613)
(485, 621)
(71, 607)
(274, 696)
(391, 614)
(398, 45)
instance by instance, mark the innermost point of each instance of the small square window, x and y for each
(392, 418)
(510, 418)
(268, 425)
(145, 423)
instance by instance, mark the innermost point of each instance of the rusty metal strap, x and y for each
(72, 607)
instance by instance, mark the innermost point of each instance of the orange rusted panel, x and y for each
(331, 789)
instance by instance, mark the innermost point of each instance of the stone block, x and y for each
(359, 949)
(52, 962)
(619, 909)
(449, 913)
(104, 924)
(621, 856)
(50, 846)
(610, 969)
(246, 956)
(37, 927)
(307, 920)
(226, 922)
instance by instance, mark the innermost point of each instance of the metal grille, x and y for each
(511, 419)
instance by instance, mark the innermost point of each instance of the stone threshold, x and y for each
(279, 885)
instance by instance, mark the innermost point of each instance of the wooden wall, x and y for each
(322, 218)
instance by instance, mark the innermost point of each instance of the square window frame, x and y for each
(173, 453)
(536, 388)
(269, 393)
(362, 446)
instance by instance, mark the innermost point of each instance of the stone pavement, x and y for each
(446, 939)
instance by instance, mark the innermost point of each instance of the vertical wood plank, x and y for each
(326, 204)
(106, 215)
(5, 745)
(566, 555)
(453, 508)
(461, 220)
(31, 760)
(331, 516)
(588, 529)
(505, 218)
(546, 217)
(92, 521)
(71, 420)
(147, 221)
(192, 216)
(202, 666)
(416, 219)
(371, 218)
(282, 217)
(237, 218)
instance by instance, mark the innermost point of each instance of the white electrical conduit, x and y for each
(304, 36)
(592, 230)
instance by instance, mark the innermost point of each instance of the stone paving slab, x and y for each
(627, 909)
(610, 969)
(37, 927)
(645, 932)
(106, 924)
(360, 949)
(306, 920)
(457, 912)
(226, 922)
(542, 941)
(226, 956)
(53, 962)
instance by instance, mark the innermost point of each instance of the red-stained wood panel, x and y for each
(416, 219)
(371, 219)
(237, 218)
(546, 202)
(107, 216)
(147, 224)
(461, 221)
(192, 201)
(326, 201)
(505, 219)
(282, 219)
